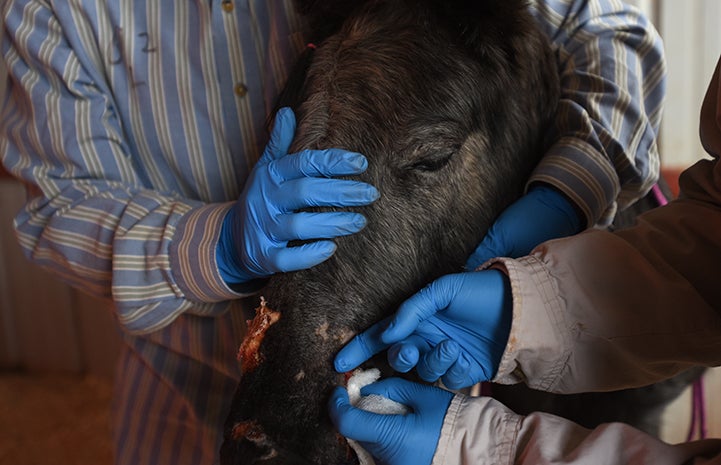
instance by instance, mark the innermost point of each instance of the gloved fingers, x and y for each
(566, 218)
(435, 363)
(326, 225)
(404, 355)
(281, 137)
(490, 247)
(318, 163)
(542, 214)
(323, 192)
(409, 393)
(459, 375)
(410, 314)
(420, 307)
(352, 422)
(396, 389)
(361, 348)
(301, 257)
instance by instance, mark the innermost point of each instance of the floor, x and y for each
(54, 419)
(63, 420)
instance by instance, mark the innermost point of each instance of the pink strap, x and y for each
(698, 412)
(658, 195)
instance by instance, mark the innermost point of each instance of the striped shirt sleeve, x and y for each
(613, 76)
(128, 124)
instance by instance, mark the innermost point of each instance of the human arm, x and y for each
(481, 430)
(605, 311)
(613, 299)
(133, 157)
(454, 329)
(443, 429)
(90, 204)
(602, 151)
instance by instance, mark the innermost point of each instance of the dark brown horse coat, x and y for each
(449, 101)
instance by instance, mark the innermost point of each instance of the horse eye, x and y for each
(433, 163)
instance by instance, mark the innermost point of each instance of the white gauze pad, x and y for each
(372, 403)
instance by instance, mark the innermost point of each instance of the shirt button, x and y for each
(227, 6)
(240, 89)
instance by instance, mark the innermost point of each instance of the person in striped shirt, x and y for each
(138, 128)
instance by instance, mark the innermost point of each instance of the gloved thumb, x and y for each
(490, 247)
(402, 391)
(281, 137)
(353, 422)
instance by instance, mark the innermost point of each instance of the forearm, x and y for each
(153, 255)
(603, 149)
(482, 431)
(603, 311)
(102, 217)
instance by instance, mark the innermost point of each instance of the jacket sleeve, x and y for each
(604, 311)
(480, 430)
(603, 153)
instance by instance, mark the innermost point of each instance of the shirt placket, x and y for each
(239, 75)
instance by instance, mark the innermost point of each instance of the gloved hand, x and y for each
(540, 215)
(256, 231)
(409, 439)
(455, 329)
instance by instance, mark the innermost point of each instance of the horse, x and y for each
(450, 102)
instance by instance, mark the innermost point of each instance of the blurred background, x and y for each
(58, 346)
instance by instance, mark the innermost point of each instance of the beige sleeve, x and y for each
(604, 311)
(479, 431)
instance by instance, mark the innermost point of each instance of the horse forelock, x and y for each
(375, 75)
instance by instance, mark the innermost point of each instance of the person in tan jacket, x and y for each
(597, 311)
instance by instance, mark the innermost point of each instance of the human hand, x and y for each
(409, 439)
(540, 215)
(256, 231)
(455, 329)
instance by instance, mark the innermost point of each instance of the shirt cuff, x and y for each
(477, 430)
(574, 167)
(193, 259)
(539, 343)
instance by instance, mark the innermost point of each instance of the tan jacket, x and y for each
(604, 311)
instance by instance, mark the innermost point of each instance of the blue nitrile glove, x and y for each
(256, 231)
(409, 439)
(455, 329)
(540, 215)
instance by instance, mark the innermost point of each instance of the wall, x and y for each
(692, 39)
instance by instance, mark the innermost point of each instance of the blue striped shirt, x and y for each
(613, 83)
(136, 123)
